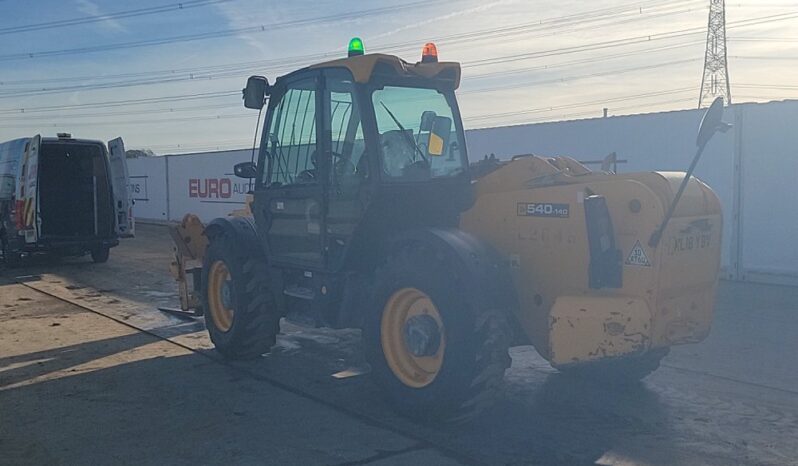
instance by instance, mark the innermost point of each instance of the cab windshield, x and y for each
(419, 137)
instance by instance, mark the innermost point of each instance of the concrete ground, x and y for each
(92, 373)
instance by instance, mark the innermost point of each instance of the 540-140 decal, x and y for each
(543, 209)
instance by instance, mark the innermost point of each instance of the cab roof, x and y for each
(364, 67)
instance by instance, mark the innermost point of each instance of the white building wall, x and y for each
(752, 168)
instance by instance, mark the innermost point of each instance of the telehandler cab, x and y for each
(364, 214)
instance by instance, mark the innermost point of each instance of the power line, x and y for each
(476, 91)
(762, 39)
(221, 33)
(197, 73)
(592, 114)
(475, 63)
(600, 58)
(752, 57)
(118, 15)
(630, 40)
(490, 116)
(134, 122)
(124, 113)
(784, 87)
(584, 76)
(121, 103)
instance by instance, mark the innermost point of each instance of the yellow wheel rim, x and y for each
(413, 337)
(220, 289)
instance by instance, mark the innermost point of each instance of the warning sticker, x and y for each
(638, 256)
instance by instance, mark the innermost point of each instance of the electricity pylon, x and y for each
(716, 66)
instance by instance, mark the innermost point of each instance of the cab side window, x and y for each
(292, 142)
(348, 165)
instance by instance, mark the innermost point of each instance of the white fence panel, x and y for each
(769, 208)
(147, 187)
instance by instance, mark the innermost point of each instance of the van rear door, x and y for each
(30, 188)
(125, 225)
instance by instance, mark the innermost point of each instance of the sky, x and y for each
(168, 78)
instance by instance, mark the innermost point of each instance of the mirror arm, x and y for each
(657, 235)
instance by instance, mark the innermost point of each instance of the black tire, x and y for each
(618, 371)
(100, 254)
(256, 321)
(11, 259)
(475, 355)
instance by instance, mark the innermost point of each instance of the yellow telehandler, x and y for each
(365, 213)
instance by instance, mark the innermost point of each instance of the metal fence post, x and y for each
(168, 195)
(737, 196)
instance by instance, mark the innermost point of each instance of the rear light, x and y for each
(18, 211)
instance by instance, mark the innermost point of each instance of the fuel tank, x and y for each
(532, 210)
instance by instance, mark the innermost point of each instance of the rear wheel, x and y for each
(434, 353)
(618, 371)
(240, 312)
(100, 254)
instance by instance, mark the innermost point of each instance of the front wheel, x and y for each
(434, 353)
(240, 311)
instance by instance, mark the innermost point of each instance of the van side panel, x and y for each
(11, 155)
(30, 192)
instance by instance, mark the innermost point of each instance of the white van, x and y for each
(63, 196)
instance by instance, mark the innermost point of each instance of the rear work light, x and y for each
(429, 54)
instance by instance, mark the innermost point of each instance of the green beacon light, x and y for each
(356, 47)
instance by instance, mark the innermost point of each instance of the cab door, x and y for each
(31, 221)
(348, 187)
(289, 197)
(123, 209)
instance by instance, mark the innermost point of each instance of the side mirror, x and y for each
(427, 120)
(246, 170)
(439, 135)
(256, 91)
(712, 123)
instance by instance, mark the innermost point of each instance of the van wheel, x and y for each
(13, 260)
(435, 355)
(100, 255)
(241, 314)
